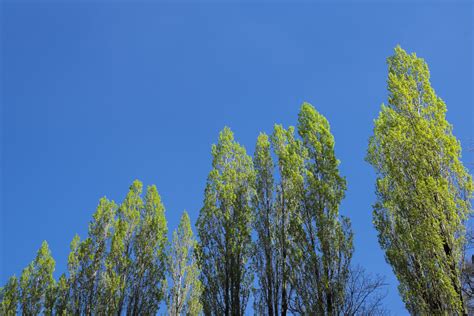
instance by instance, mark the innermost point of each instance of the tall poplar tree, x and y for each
(119, 260)
(73, 264)
(35, 281)
(423, 190)
(146, 283)
(224, 228)
(185, 288)
(322, 238)
(290, 164)
(266, 257)
(91, 255)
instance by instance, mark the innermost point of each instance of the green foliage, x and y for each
(148, 268)
(119, 268)
(287, 199)
(120, 258)
(304, 247)
(423, 190)
(322, 237)
(92, 255)
(135, 266)
(36, 281)
(62, 296)
(266, 257)
(185, 288)
(9, 297)
(73, 294)
(82, 292)
(224, 229)
(290, 163)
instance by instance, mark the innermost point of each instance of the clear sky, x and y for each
(97, 94)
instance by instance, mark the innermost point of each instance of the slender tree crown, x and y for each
(148, 268)
(36, 282)
(86, 262)
(224, 229)
(322, 237)
(266, 256)
(290, 165)
(185, 289)
(423, 189)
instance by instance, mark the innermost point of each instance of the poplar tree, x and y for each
(91, 256)
(185, 288)
(224, 228)
(35, 281)
(146, 283)
(73, 264)
(9, 297)
(81, 293)
(322, 238)
(423, 190)
(266, 257)
(119, 260)
(290, 164)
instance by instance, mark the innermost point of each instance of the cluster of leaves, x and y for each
(121, 267)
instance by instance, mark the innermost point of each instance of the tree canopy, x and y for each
(423, 189)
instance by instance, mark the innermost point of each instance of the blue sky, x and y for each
(97, 94)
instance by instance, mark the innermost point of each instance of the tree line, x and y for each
(270, 233)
